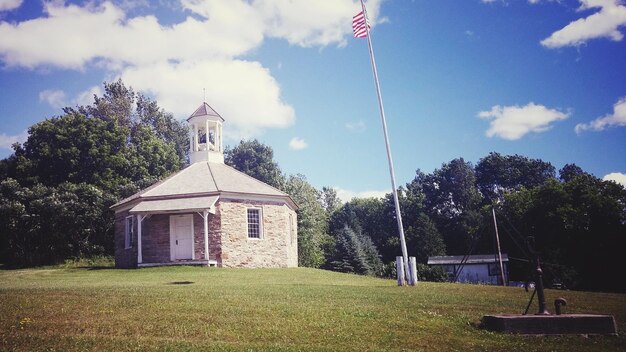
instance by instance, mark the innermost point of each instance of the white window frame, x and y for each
(129, 232)
(260, 224)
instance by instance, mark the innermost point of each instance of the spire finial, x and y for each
(204, 95)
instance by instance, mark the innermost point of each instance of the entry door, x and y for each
(181, 237)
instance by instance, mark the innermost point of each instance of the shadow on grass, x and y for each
(180, 283)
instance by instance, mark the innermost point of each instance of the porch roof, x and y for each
(174, 205)
(470, 259)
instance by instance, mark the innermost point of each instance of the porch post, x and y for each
(139, 255)
(205, 216)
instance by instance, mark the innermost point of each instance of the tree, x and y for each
(497, 174)
(165, 127)
(579, 228)
(367, 216)
(257, 160)
(132, 111)
(329, 200)
(312, 222)
(58, 186)
(452, 201)
(355, 253)
(423, 239)
(77, 149)
(45, 225)
(570, 171)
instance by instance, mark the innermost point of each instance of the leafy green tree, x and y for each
(115, 105)
(329, 200)
(570, 171)
(131, 111)
(452, 201)
(497, 174)
(153, 158)
(74, 148)
(257, 160)
(61, 182)
(165, 127)
(579, 228)
(313, 238)
(44, 225)
(423, 239)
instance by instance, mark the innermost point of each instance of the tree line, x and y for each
(56, 190)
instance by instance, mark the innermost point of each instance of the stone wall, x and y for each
(215, 238)
(276, 247)
(229, 244)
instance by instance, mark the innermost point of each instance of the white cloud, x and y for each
(312, 23)
(617, 118)
(227, 29)
(513, 122)
(6, 140)
(175, 62)
(54, 97)
(297, 144)
(604, 23)
(618, 177)
(8, 5)
(86, 97)
(57, 98)
(347, 195)
(357, 126)
(243, 93)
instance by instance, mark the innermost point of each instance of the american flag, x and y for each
(358, 25)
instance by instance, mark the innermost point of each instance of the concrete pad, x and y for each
(579, 324)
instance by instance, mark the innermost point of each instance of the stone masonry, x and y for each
(277, 247)
(229, 244)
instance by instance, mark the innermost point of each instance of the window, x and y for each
(129, 231)
(494, 269)
(254, 223)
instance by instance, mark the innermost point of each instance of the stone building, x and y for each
(207, 213)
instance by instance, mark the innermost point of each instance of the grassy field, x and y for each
(194, 308)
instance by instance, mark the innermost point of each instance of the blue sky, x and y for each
(541, 78)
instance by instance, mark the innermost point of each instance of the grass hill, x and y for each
(194, 308)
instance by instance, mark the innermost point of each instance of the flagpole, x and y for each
(394, 189)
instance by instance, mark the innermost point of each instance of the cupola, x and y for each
(205, 135)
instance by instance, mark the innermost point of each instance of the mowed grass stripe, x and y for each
(194, 308)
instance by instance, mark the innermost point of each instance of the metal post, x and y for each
(394, 190)
(400, 271)
(539, 285)
(413, 272)
(495, 224)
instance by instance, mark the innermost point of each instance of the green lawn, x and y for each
(194, 308)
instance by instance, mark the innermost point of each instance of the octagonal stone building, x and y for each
(207, 214)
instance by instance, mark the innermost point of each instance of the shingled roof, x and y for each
(204, 179)
(205, 110)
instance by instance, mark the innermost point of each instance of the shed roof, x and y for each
(472, 259)
(175, 205)
(206, 178)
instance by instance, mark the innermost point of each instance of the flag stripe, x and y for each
(358, 25)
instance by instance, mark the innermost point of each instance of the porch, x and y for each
(167, 235)
(201, 262)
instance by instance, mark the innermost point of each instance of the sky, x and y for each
(541, 78)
